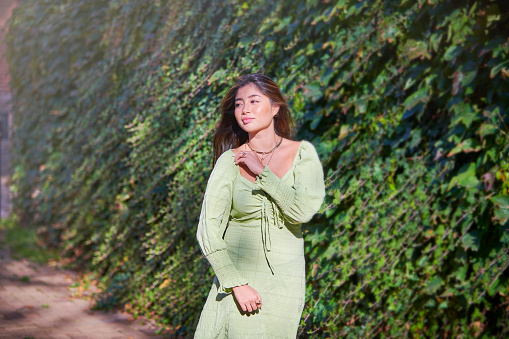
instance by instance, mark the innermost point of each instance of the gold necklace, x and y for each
(270, 158)
(272, 150)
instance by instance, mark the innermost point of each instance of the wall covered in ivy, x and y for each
(406, 102)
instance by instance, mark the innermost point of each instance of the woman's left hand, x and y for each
(251, 160)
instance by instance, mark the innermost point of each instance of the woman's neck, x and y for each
(263, 140)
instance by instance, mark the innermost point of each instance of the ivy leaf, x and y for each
(245, 41)
(420, 95)
(501, 208)
(469, 72)
(467, 146)
(496, 69)
(282, 24)
(452, 53)
(502, 214)
(457, 78)
(316, 121)
(433, 285)
(416, 49)
(435, 40)
(487, 129)
(471, 240)
(465, 178)
(313, 90)
(501, 200)
(465, 113)
(269, 48)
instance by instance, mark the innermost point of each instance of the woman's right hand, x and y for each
(250, 160)
(247, 297)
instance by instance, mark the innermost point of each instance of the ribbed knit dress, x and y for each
(251, 233)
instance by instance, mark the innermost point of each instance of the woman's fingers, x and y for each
(250, 308)
(241, 157)
(259, 297)
(237, 158)
(250, 160)
(253, 306)
(248, 298)
(258, 301)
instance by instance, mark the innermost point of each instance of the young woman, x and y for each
(262, 188)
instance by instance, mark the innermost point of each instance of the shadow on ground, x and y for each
(36, 301)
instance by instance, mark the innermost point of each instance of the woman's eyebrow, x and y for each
(252, 95)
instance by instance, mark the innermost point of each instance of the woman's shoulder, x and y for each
(224, 167)
(300, 148)
(305, 146)
(307, 150)
(227, 158)
(235, 151)
(290, 146)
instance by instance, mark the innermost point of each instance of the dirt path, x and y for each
(37, 302)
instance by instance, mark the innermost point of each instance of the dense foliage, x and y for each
(406, 102)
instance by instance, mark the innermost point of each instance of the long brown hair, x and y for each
(228, 132)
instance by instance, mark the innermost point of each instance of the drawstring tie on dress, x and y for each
(265, 227)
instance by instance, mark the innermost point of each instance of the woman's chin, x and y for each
(249, 128)
(254, 129)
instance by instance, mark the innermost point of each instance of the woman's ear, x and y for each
(275, 110)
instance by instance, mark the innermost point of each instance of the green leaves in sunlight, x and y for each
(501, 203)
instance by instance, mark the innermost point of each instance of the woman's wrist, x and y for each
(260, 170)
(234, 287)
(259, 175)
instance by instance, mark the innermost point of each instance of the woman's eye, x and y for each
(253, 101)
(237, 105)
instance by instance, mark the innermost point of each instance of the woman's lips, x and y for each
(247, 120)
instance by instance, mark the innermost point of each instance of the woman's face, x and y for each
(253, 109)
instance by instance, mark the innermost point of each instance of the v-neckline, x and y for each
(284, 175)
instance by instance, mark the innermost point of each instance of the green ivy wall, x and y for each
(406, 102)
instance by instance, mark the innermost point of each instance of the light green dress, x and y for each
(251, 233)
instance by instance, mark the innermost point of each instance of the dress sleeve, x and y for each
(300, 201)
(214, 216)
